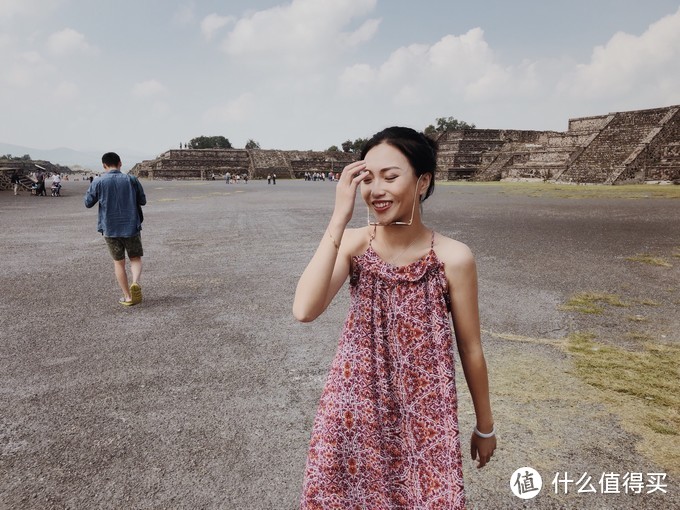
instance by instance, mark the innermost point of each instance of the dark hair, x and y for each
(111, 159)
(420, 150)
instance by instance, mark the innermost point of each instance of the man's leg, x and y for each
(136, 268)
(121, 277)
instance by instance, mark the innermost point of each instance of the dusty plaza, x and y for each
(204, 395)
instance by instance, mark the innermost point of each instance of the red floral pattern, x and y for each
(386, 431)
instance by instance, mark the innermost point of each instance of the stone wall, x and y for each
(603, 159)
(637, 146)
(257, 163)
(657, 158)
(633, 146)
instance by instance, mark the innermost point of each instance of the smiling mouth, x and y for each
(381, 206)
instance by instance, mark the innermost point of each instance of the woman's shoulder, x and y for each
(355, 241)
(454, 254)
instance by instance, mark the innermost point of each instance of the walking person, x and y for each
(120, 199)
(386, 431)
(40, 191)
(273, 178)
(15, 182)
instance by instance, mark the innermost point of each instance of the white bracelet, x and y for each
(483, 435)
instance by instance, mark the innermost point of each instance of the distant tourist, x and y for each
(269, 178)
(40, 190)
(56, 185)
(120, 198)
(273, 178)
(15, 182)
(386, 431)
(227, 177)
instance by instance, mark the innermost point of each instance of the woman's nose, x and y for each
(376, 188)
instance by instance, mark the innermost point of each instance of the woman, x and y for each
(386, 431)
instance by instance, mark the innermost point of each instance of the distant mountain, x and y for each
(90, 160)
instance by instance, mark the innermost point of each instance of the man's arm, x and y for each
(91, 196)
(141, 197)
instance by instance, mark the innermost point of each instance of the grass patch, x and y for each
(648, 302)
(646, 258)
(639, 337)
(643, 386)
(591, 302)
(547, 189)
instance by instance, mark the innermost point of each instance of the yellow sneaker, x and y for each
(136, 293)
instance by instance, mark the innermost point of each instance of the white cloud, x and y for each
(69, 41)
(239, 109)
(463, 65)
(212, 23)
(148, 88)
(14, 8)
(66, 91)
(627, 62)
(303, 32)
(184, 15)
(26, 69)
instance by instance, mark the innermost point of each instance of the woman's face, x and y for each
(389, 188)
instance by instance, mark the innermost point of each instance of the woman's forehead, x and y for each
(384, 157)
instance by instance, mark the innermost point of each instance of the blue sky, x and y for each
(145, 75)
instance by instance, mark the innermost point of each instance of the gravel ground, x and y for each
(204, 395)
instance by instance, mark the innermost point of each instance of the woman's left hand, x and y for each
(481, 449)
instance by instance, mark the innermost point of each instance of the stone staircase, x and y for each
(642, 164)
(603, 160)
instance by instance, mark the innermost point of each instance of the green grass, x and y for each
(646, 258)
(629, 191)
(648, 302)
(591, 302)
(643, 387)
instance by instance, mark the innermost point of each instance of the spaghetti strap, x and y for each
(372, 236)
(432, 242)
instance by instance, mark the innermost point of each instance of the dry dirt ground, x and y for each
(204, 395)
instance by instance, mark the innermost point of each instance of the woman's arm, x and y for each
(461, 274)
(329, 267)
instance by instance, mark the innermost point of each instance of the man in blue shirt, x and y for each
(120, 198)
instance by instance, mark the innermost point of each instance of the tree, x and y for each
(447, 124)
(333, 148)
(252, 144)
(210, 142)
(347, 146)
(358, 144)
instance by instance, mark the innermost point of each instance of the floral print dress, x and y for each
(386, 430)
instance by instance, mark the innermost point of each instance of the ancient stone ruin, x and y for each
(257, 163)
(636, 146)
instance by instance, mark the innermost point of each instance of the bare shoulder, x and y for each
(455, 255)
(355, 241)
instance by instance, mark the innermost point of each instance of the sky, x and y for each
(147, 75)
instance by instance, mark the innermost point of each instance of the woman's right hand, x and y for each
(346, 190)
